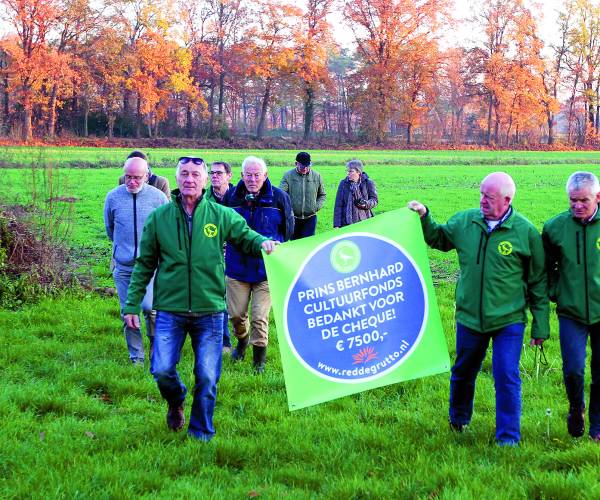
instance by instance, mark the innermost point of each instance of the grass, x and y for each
(77, 420)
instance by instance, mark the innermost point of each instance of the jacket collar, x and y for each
(506, 221)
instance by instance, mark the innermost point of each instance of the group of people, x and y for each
(203, 246)
(200, 254)
(506, 266)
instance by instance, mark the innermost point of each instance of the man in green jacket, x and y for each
(572, 244)
(502, 271)
(183, 242)
(307, 193)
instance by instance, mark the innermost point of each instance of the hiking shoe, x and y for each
(454, 427)
(175, 418)
(576, 421)
(595, 437)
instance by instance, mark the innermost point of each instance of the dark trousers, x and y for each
(304, 227)
(573, 343)
(471, 348)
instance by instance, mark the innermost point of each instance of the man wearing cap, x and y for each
(307, 193)
(572, 244)
(157, 181)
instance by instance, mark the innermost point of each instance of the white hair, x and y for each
(254, 160)
(504, 183)
(581, 180)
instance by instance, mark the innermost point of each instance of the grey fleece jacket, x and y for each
(124, 216)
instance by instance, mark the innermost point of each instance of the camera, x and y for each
(361, 203)
(250, 198)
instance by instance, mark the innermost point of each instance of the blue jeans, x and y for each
(226, 334)
(304, 227)
(133, 336)
(573, 343)
(206, 333)
(471, 348)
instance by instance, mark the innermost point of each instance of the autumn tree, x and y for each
(32, 59)
(385, 32)
(312, 40)
(270, 45)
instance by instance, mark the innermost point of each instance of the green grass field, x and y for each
(77, 421)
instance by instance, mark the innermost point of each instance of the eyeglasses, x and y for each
(195, 160)
(300, 166)
(134, 177)
(216, 172)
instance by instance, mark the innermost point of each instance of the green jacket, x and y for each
(307, 192)
(573, 263)
(189, 269)
(501, 273)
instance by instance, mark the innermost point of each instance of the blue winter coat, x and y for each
(269, 214)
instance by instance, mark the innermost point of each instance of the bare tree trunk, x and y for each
(309, 109)
(111, 125)
(138, 119)
(263, 110)
(27, 115)
(188, 121)
(5, 106)
(211, 108)
(52, 111)
(488, 136)
(86, 115)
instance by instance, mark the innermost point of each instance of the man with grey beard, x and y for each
(125, 211)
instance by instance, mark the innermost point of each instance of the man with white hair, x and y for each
(125, 211)
(183, 243)
(572, 244)
(268, 211)
(502, 272)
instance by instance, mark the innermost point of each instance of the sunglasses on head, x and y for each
(195, 160)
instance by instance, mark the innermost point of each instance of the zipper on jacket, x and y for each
(135, 237)
(482, 276)
(303, 194)
(178, 232)
(585, 275)
(189, 261)
(190, 230)
(479, 249)
(577, 245)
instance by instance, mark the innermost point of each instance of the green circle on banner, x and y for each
(345, 256)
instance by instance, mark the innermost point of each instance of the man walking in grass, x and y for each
(572, 244)
(220, 177)
(125, 211)
(183, 242)
(154, 180)
(268, 211)
(502, 272)
(307, 194)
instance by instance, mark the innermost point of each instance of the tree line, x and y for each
(223, 68)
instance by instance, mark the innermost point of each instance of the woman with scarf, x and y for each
(356, 196)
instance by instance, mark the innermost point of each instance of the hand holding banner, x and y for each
(355, 309)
